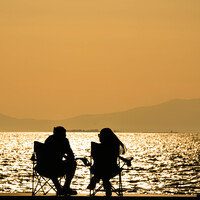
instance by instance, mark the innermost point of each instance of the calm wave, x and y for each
(164, 163)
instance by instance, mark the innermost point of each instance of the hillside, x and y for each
(177, 115)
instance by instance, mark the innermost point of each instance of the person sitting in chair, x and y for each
(105, 155)
(58, 147)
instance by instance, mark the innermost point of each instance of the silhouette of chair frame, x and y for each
(40, 182)
(121, 161)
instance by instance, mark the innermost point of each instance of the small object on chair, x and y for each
(129, 161)
(126, 160)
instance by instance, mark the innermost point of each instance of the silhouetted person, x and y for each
(58, 147)
(105, 156)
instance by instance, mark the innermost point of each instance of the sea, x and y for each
(163, 163)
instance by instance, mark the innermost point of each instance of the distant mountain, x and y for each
(176, 115)
(14, 124)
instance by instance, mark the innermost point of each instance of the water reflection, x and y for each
(164, 163)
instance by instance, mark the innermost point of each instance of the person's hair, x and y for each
(59, 130)
(108, 137)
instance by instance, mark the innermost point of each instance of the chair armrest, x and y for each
(33, 157)
(85, 161)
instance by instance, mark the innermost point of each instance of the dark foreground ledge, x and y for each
(27, 196)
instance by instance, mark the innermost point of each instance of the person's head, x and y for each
(59, 132)
(108, 137)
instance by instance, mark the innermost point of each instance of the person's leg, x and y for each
(57, 184)
(94, 180)
(70, 168)
(107, 187)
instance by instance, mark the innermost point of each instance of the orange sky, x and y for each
(65, 58)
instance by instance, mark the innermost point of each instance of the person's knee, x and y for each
(74, 164)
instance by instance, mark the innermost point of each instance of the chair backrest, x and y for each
(96, 151)
(42, 166)
(40, 152)
(100, 155)
(41, 177)
(104, 161)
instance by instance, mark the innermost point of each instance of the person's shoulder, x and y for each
(66, 140)
(95, 143)
(49, 138)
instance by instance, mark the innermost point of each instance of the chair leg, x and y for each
(33, 180)
(93, 191)
(33, 183)
(43, 184)
(118, 191)
(120, 185)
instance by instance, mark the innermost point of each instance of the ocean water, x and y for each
(163, 163)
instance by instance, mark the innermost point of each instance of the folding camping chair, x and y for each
(41, 182)
(121, 164)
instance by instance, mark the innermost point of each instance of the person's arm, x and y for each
(68, 150)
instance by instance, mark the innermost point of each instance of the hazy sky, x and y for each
(62, 58)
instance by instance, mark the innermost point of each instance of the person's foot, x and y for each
(60, 193)
(91, 186)
(93, 183)
(108, 192)
(70, 191)
(66, 192)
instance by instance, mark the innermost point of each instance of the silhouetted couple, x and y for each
(105, 156)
